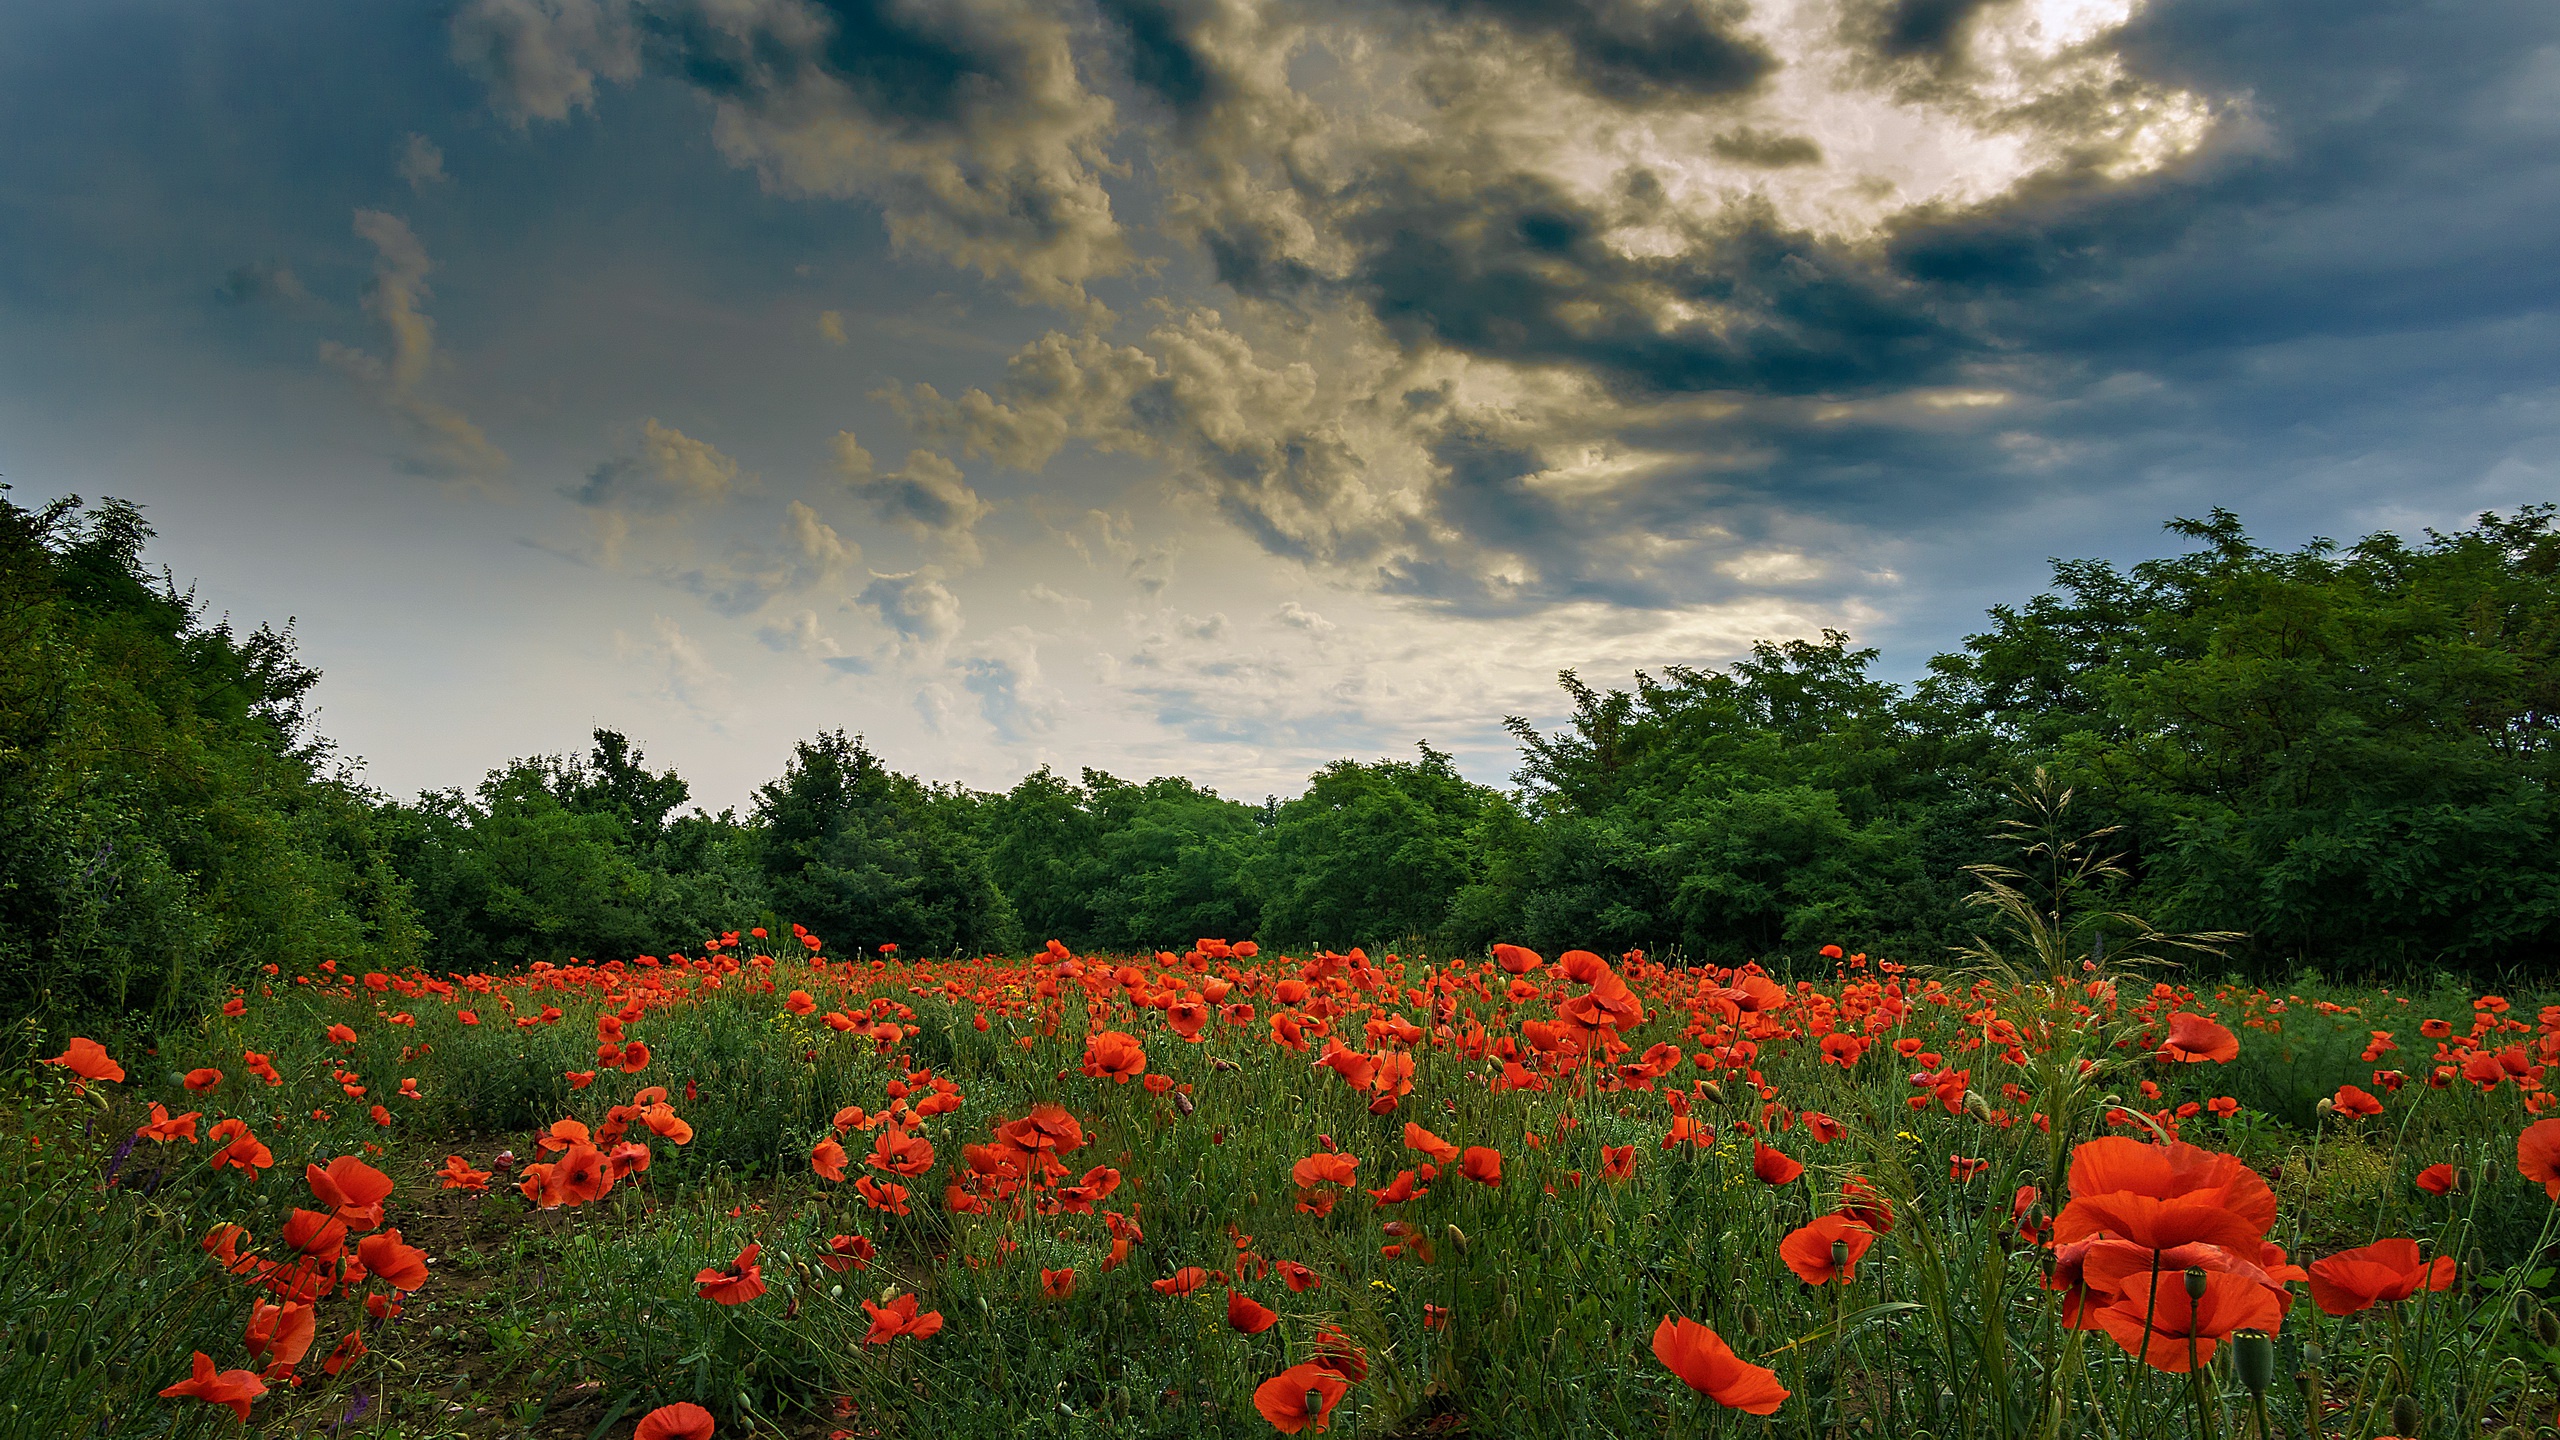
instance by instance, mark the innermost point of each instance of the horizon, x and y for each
(1221, 390)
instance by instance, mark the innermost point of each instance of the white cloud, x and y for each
(444, 442)
(927, 496)
(421, 163)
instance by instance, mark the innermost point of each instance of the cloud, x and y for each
(927, 496)
(831, 327)
(444, 442)
(680, 669)
(1005, 676)
(808, 552)
(421, 163)
(673, 472)
(541, 59)
(1299, 617)
(916, 605)
(966, 121)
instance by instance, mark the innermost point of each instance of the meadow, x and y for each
(763, 1188)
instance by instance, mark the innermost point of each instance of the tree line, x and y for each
(2344, 753)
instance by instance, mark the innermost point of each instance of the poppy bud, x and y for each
(1315, 1402)
(2195, 1284)
(2475, 1263)
(2527, 1307)
(2325, 1107)
(1839, 1255)
(1714, 1091)
(1978, 1107)
(1182, 1102)
(2546, 1328)
(2462, 1180)
(2404, 1415)
(1751, 1322)
(1458, 1238)
(2307, 1385)
(2253, 1356)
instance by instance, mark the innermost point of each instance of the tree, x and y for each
(1373, 853)
(865, 856)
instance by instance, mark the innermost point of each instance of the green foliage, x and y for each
(1373, 852)
(865, 856)
(1110, 864)
(167, 825)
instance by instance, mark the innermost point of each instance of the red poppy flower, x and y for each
(320, 1236)
(1618, 1162)
(240, 1149)
(1404, 1187)
(799, 1003)
(350, 1348)
(2382, 1272)
(1862, 1202)
(1417, 1138)
(900, 1153)
(741, 1281)
(235, 1388)
(1809, 1250)
(1300, 1397)
(899, 1317)
(164, 1127)
(1822, 1127)
(1699, 1356)
(582, 1175)
(341, 1035)
(848, 1252)
(892, 1198)
(1182, 1281)
(281, 1334)
(2351, 1100)
(350, 1187)
(1058, 1284)
(2181, 1328)
(2162, 1196)
(1517, 959)
(827, 1158)
(1249, 1316)
(2538, 1155)
(683, 1420)
(200, 1081)
(1773, 1167)
(1116, 1055)
(402, 1267)
(457, 1174)
(2194, 1039)
(2436, 1179)
(1296, 1276)
(1482, 1164)
(1324, 1167)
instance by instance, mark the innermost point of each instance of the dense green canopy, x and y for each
(2344, 753)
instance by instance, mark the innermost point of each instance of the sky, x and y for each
(1222, 387)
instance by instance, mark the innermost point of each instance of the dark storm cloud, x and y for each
(1635, 52)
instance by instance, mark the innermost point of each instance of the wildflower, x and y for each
(88, 1059)
(2436, 1179)
(848, 1252)
(1058, 1284)
(1699, 1356)
(458, 1175)
(1299, 1397)
(2162, 1323)
(1618, 1162)
(1827, 1249)
(281, 1334)
(349, 1349)
(353, 1190)
(827, 1158)
(1773, 1166)
(897, 1318)
(740, 1281)
(683, 1420)
(2385, 1271)
(1297, 1277)
(2351, 1100)
(1822, 1127)
(402, 1267)
(240, 1149)
(1441, 1151)
(1247, 1316)
(1116, 1055)
(1182, 1281)
(900, 1153)
(2163, 1196)
(2194, 1039)
(199, 1081)
(235, 1388)
(892, 1198)
(2538, 1155)
(341, 1035)
(1482, 1164)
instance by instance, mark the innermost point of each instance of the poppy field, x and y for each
(761, 1187)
